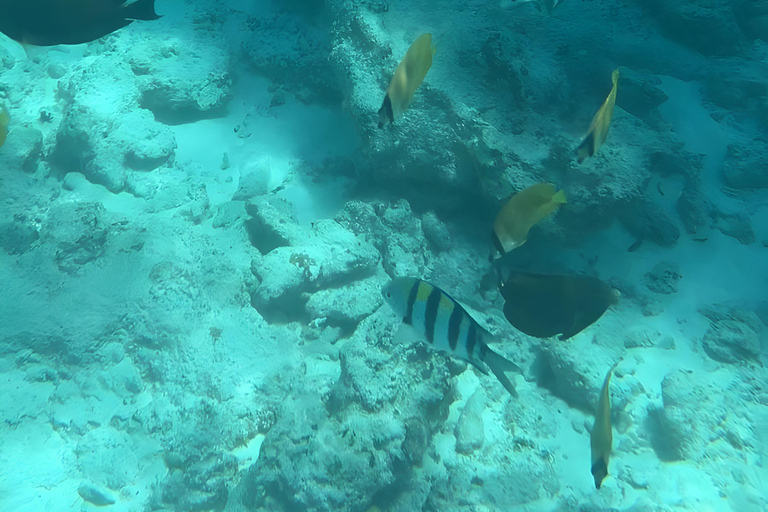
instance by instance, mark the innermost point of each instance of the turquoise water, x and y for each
(198, 214)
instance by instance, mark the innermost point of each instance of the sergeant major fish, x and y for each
(433, 317)
(407, 78)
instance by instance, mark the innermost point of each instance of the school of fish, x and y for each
(536, 304)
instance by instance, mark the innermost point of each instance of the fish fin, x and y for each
(407, 334)
(140, 10)
(559, 197)
(386, 114)
(498, 365)
(480, 367)
(587, 146)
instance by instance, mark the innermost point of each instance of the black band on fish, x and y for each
(599, 471)
(587, 146)
(471, 338)
(454, 326)
(386, 108)
(408, 318)
(430, 313)
(497, 243)
(483, 351)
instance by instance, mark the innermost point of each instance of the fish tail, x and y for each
(559, 197)
(615, 76)
(141, 10)
(498, 365)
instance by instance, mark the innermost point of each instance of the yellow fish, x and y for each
(598, 130)
(601, 439)
(407, 78)
(5, 118)
(521, 212)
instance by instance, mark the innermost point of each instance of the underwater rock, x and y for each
(648, 302)
(18, 235)
(79, 231)
(677, 161)
(103, 134)
(229, 214)
(254, 181)
(363, 441)
(148, 144)
(361, 218)
(347, 305)
(663, 278)
(402, 158)
(752, 18)
(393, 230)
(181, 82)
(699, 417)
(572, 371)
(642, 337)
(733, 335)
(404, 250)
(744, 166)
(203, 485)
(736, 225)
(648, 222)
(469, 429)
(272, 223)
(23, 150)
(436, 231)
(707, 26)
(640, 92)
(330, 256)
(695, 211)
(108, 456)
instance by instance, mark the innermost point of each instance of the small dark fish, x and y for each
(542, 305)
(52, 22)
(635, 245)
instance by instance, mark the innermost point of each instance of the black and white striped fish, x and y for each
(432, 316)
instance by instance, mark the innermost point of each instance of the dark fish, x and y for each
(635, 245)
(52, 22)
(543, 305)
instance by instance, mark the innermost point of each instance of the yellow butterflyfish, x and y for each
(521, 212)
(407, 78)
(601, 439)
(598, 130)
